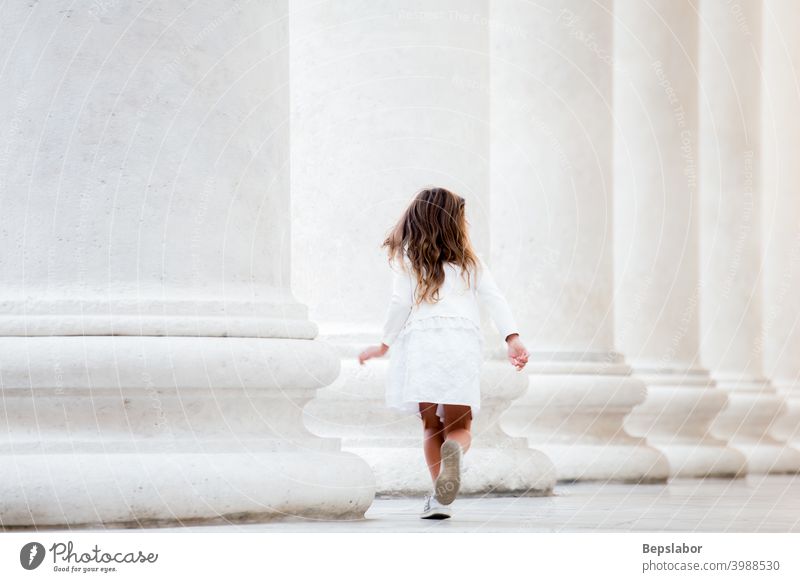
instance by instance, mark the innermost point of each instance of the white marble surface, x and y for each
(551, 235)
(146, 317)
(754, 504)
(656, 235)
(386, 98)
(731, 242)
(780, 141)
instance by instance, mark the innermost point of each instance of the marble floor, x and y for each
(752, 504)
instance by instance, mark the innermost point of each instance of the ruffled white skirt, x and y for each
(436, 359)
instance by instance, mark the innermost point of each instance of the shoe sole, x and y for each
(449, 480)
(435, 515)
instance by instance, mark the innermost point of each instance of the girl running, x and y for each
(433, 328)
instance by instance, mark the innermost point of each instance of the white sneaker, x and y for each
(449, 480)
(434, 510)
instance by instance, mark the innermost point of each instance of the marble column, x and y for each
(388, 97)
(731, 208)
(551, 225)
(780, 175)
(154, 360)
(731, 268)
(656, 235)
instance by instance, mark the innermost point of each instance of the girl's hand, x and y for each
(517, 354)
(372, 352)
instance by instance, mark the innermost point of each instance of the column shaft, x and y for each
(150, 339)
(780, 174)
(551, 225)
(656, 244)
(388, 97)
(732, 204)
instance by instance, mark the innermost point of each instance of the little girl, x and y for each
(433, 326)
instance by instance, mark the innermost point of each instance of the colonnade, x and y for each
(193, 203)
(613, 156)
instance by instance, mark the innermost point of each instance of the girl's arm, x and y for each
(396, 315)
(400, 305)
(499, 310)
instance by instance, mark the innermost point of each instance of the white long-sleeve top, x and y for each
(455, 299)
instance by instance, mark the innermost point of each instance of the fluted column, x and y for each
(780, 175)
(656, 258)
(551, 224)
(388, 97)
(154, 360)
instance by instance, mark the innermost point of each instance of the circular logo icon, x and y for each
(31, 555)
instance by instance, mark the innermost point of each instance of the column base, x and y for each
(400, 472)
(753, 406)
(699, 460)
(786, 427)
(131, 430)
(574, 412)
(146, 490)
(675, 418)
(354, 410)
(769, 458)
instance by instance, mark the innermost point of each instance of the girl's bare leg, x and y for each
(433, 437)
(457, 424)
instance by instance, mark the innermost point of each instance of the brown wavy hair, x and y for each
(432, 231)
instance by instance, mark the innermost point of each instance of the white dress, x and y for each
(436, 349)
